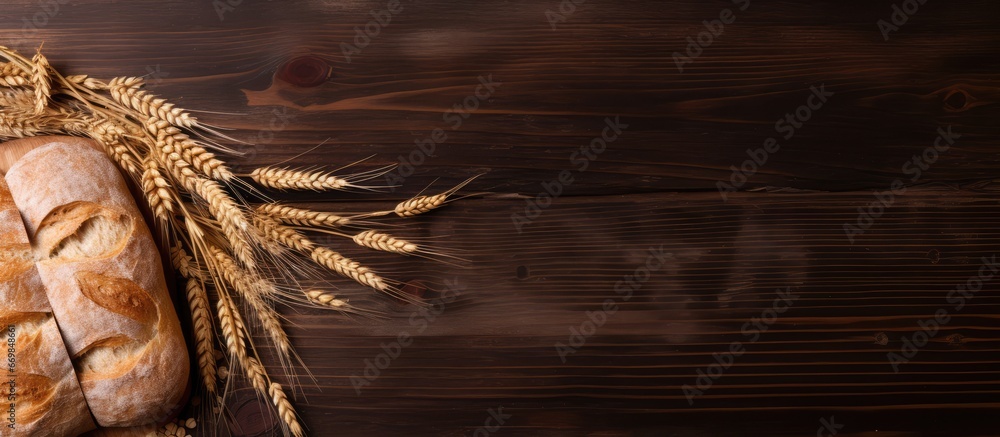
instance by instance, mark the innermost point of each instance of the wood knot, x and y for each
(305, 71)
(957, 100)
(252, 416)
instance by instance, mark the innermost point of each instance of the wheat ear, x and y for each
(233, 329)
(189, 151)
(258, 379)
(226, 211)
(422, 204)
(292, 179)
(185, 264)
(302, 217)
(322, 298)
(41, 82)
(201, 314)
(254, 291)
(125, 90)
(201, 318)
(385, 242)
(159, 193)
(340, 264)
(305, 179)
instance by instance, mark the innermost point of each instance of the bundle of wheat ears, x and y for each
(229, 252)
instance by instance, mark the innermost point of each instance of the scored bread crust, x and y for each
(48, 400)
(102, 273)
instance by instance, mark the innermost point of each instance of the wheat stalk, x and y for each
(254, 290)
(191, 193)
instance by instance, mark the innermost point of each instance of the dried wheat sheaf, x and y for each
(229, 252)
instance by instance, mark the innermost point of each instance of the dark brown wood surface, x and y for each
(494, 346)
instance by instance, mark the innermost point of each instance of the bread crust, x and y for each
(104, 280)
(48, 399)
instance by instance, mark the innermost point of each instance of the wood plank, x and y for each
(826, 355)
(608, 59)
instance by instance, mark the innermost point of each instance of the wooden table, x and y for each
(858, 100)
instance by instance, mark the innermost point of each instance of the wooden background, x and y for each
(259, 66)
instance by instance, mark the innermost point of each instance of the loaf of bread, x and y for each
(41, 392)
(103, 279)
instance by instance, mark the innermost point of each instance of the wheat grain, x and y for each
(346, 267)
(126, 92)
(158, 191)
(302, 217)
(41, 82)
(322, 298)
(384, 242)
(12, 75)
(201, 318)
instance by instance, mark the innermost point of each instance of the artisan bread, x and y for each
(41, 392)
(104, 281)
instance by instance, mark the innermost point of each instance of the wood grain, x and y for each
(826, 356)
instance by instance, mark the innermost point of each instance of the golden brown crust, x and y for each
(49, 399)
(102, 272)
